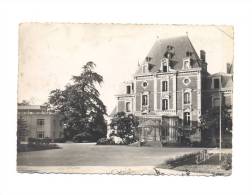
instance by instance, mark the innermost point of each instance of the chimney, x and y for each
(203, 55)
(229, 68)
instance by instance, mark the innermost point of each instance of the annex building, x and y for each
(170, 91)
(40, 123)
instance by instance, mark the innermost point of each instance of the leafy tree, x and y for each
(210, 122)
(22, 130)
(124, 124)
(80, 105)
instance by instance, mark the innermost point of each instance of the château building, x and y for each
(171, 89)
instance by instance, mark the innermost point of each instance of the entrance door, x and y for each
(169, 129)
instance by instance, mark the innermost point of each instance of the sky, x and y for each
(51, 53)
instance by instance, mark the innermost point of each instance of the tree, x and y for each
(124, 124)
(21, 129)
(210, 122)
(80, 105)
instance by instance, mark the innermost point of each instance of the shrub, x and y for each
(117, 140)
(226, 164)
(105, 141)
(85, 136)
(37, 141)
(129, 139)
(59, 140)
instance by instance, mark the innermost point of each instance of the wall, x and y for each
(51, 129)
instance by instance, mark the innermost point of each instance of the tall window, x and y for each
(144, 100)
(216, 83)
(164, 104)
(187, 118)
(128, 89)
(164, 86)
(187, 98)
(40, 122)
(128, 107)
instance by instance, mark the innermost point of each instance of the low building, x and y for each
(40, 123)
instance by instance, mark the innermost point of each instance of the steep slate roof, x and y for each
(180, 44)
(226, 79)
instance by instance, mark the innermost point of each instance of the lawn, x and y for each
(80, 154)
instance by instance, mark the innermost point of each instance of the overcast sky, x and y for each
(49, 54)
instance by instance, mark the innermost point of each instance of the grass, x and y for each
(79, 154)
(212, 165)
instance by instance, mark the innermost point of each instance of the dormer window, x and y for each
(187, 63)
(149, 67)
(164, 64)
(146, 67)
(216, 83)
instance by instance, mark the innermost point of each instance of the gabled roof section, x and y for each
(180, 45)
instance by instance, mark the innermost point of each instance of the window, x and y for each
(40, 134)
(128, 107)
(128, 89)
(187, 119)
(40, 122)
(165, 68)
(186, 64)
(186, 81)
(144, 100)
(164, 104)
(145, 84)
(216, 83)
(165, 64)
(187, 98)
(164, 86)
